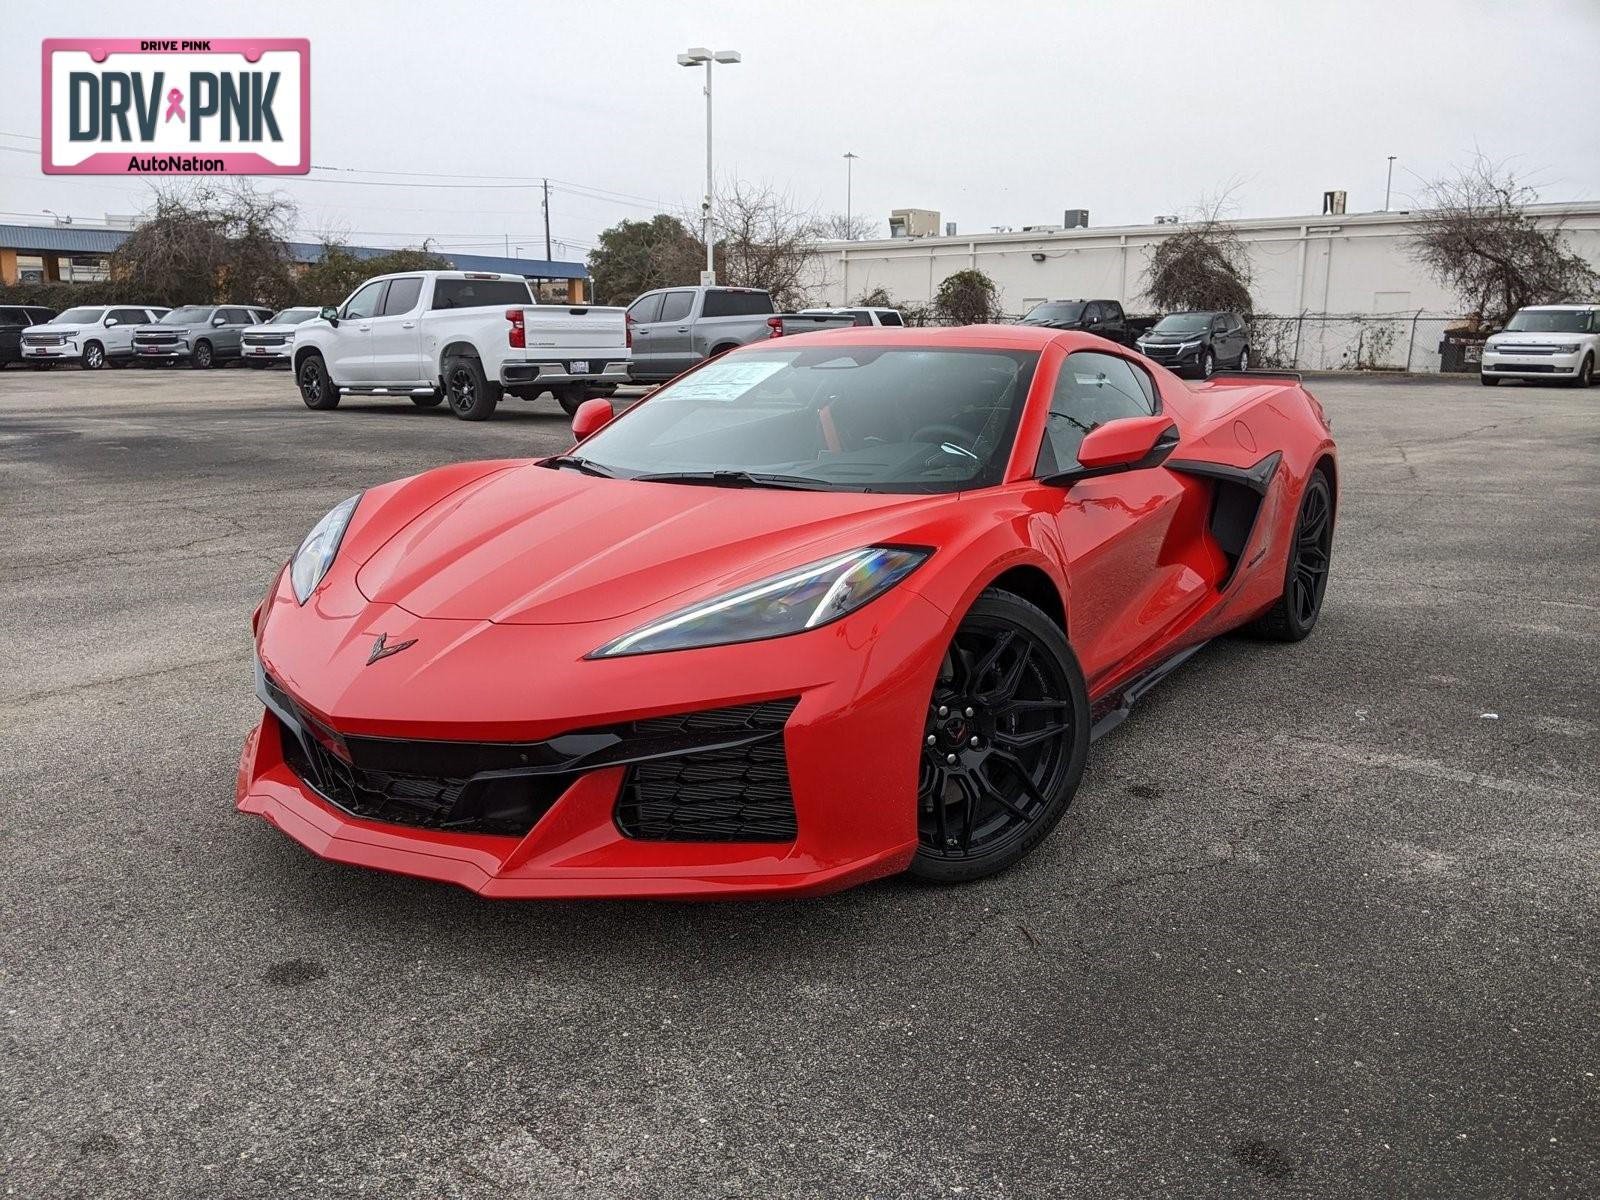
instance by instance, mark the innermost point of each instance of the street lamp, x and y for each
(849, 165)
(1389, 183)
(694, 56)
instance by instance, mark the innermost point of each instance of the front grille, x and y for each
(264, 339)
(42, 339)
(156, 339)
(1524, 368)
(734, 794)
(717, 775)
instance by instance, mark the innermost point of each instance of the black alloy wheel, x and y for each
(1306, 580)
(316, 389)
(471, 396)
(1003, 744)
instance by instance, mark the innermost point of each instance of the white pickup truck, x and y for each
(464, 336)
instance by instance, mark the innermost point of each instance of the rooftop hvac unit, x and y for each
(913, 222)
(1333, 204)
(949, 229)
(1075, 218)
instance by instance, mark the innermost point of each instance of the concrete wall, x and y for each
(1346, 265)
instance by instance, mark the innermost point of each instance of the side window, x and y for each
(128, 316)
(1110, 312)
(12, 316)
(235, 316)
(403, 296)
(646, 308)
(1219, 324)
(890, 318)
(365, 302)
(675, 306)
(1091, 389)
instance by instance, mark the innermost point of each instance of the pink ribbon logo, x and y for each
(175, 105)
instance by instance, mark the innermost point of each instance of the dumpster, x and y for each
(1461, 351)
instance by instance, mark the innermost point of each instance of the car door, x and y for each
(1126, 589)
(396, 339)
(350, 359)
(119, 325)
(234, 321)
(12, 322)
(643, 314)
(672, 338)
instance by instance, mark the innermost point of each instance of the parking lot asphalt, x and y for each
(1321, 921)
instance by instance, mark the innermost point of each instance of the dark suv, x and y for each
(1197, 343)
(14, 318)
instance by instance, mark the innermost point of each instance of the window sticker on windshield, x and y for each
(723, 380)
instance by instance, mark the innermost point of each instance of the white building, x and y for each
(1340, 271)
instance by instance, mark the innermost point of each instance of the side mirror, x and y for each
(591, 417)
(219, 321)
(110, 321)
(329, 314)
(1130, 444)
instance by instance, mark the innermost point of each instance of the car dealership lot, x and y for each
(1320, 919)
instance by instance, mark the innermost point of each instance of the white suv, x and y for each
(1550, 341)
(94, 335)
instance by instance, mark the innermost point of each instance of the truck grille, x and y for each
(42, 339)
(156, 339)
(264, 339)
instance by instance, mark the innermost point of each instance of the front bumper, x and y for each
(266, 354)
(49, 353)
(1512, 365)
(860, 689)
(1171, 358)
(158, 352)
(548, 373)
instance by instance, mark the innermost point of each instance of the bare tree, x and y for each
(207, 243)
(765, 241)
(836, 227)
(1204, 266)
(1477, 238)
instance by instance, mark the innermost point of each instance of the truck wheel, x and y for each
(571, 398)
(202, 357)
(94, 356)
(472, 397)
(429, 401)
(316, 389)
(719, 351)
(1585, 375)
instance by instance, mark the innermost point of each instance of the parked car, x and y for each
(1197, 343)
(677, 328)
(200, 334)
(802, 618)
(1551, 341)
(1104, 318)
(862, 316)
(14, 318)
(466, 336)
(92, 334)
(269, 344)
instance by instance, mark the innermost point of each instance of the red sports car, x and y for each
(824, 609)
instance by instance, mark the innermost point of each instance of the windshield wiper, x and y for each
(799, 483)
(578, 464)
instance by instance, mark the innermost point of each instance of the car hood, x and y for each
(535, 546)
(163, 328)
(269, 328)
(1165, 337)
(1533, 339)
(56, 328)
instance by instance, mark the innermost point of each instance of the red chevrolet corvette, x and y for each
(824, 609)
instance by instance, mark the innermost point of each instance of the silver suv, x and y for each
(204, 334)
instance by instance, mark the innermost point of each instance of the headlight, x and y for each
(1568, 348)
(793, 602)
(311, 562)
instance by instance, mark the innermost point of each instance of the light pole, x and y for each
(693, 57)
(849, 165)
(1388, 184)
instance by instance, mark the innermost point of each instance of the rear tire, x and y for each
(1306, 577)
(1012, 668)
(316, 388)
(472, 397)
(203, 357)
(571, 399)
(94, 356)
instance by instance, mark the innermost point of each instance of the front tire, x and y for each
(1585, 375)
(1489, 380)
(1244, 359)
(316, 388)
(1208, 363)
(1004, 743)
(94, 356)
(203, 357)
(1306, 579)
(472, 397)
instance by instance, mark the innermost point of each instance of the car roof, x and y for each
(1557, 307)
(974, 337)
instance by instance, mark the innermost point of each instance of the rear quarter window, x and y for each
(480, 293)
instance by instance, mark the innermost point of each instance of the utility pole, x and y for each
(547, 220)
(849, 164)
(1388, 186)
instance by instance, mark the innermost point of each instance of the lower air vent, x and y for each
(736, 793)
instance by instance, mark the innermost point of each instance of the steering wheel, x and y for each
(943, 433)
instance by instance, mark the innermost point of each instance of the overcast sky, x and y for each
(992, 114)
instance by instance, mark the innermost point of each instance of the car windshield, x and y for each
(189, 314)
(1533, 320)
(1182, 323)
(79, 316)
(291, 316)
(873, 418)
(1041, 313)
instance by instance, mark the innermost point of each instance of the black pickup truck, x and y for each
(1102, 317)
